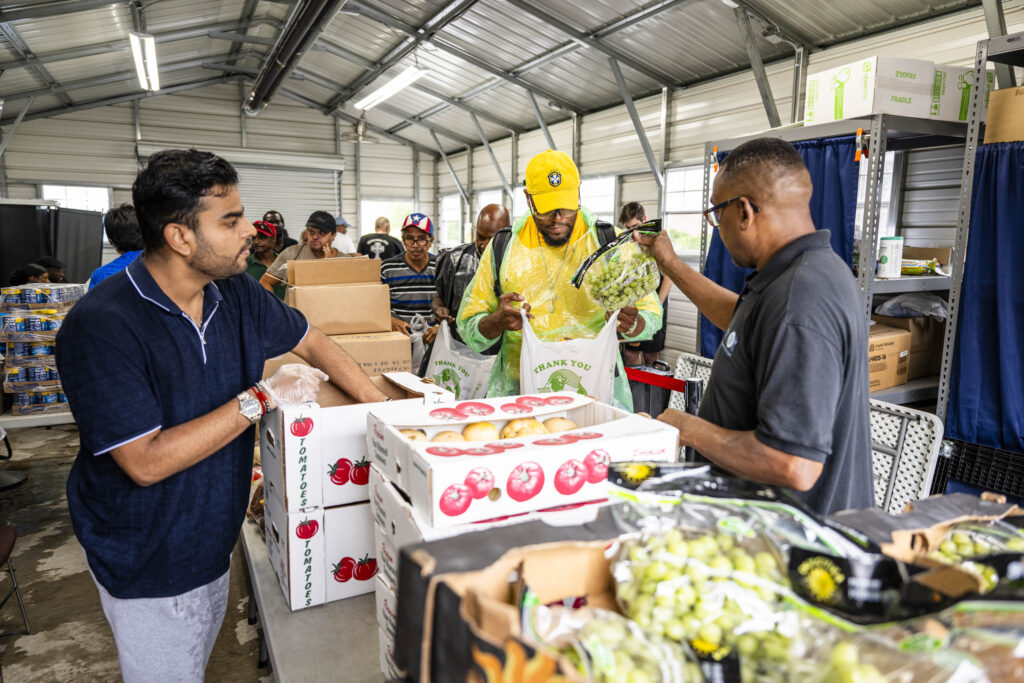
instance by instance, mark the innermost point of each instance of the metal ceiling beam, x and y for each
(627, 99)
(757, 66)
(800, 63)
(451, 170)
(40, 10)
(541, 121)
(19, 46)
(92, 104)
(449, 13)
(494, 159)
(445, 46)
(239, 38)
(549, 19)
(138, 17)
(783, 29)
(416, 121)
(109, 46)
(17, 122)
(248, 10)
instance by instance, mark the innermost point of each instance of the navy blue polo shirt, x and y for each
(131, 363)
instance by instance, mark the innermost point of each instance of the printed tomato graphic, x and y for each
(445, 451)
(483, 450)
(474, 408)
(582, 436)
(307, 529)
(531, 401)
(449, 414)
(596, 463)
(525, 482)
(343, 570)
(516, 409)
(339, 472)
(455, 500)
(480, 481)
(365, 569)
(554, 441)
(361, 473)
(506, 445)
(570, 477)
(301, 426)
(558, 400)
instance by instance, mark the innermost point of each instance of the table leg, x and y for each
(263, 659)
(253, 610)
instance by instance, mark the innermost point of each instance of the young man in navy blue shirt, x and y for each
(162, 369)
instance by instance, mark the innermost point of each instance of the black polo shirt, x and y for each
(131, 363)
(793, 367)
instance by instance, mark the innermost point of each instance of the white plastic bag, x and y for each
(417, 326)
(586, 366)
(457, 368)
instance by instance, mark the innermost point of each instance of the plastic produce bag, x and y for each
(914, 305)
(457, 368)
(921, 267)
(586, 366)
(620, 273)
(417, 326)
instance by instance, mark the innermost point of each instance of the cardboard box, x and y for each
(344, 309)
(940, 254)
(1005, 122)
(316, 456)
(334, 271)
(388, 667)
(873, 85)
(320, 555)
(387, 607)
(376, 353)
(446, 481)
(951, 92)
(926, 338)
(397, 525)
(888, 356)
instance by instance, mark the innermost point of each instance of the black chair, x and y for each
(7, 537)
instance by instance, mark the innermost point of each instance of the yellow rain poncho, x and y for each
(541, 275)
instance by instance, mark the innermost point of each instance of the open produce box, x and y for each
(513, 463)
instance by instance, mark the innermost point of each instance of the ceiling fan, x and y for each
(359, 134)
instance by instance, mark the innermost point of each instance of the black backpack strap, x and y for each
(499, 244)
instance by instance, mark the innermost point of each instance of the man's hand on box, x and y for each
(430, 333)
(294, 383)
(398, 325)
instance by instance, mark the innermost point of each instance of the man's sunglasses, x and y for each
(711, 214)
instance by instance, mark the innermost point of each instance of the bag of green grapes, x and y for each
(620, 273)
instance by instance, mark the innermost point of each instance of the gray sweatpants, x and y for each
(166, 639)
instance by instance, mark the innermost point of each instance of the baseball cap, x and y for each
(322, 221)
(553, 181)
(265, 228)
(418, 220)
(341, 221)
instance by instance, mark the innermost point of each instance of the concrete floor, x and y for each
(70, 638)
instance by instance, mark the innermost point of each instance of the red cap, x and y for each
(265, 228)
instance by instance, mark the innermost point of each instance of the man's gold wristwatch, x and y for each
(249, 407)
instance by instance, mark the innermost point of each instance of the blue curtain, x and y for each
(833, 207)
(986, 404)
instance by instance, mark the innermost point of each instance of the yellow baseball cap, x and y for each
(553, 181)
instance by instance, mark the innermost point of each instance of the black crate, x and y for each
(983, 467)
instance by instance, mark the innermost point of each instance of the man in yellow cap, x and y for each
(546, 247)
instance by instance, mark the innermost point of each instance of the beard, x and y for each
(215, 265)
(555, 241)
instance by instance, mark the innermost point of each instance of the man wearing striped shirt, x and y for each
(411, 277)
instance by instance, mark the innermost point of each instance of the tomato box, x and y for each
(455, 482)
(320, 555)
(396, 524)
(316, 456)
(387, 606)
(388, 667)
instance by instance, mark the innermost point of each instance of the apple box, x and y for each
(451, 481)
(316, 456)
(320, 555)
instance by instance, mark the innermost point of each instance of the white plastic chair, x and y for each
(905, 446)
(689, 365)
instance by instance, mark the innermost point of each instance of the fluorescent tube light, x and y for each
(392, 87)
(144, 56)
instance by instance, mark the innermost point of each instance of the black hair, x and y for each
(21, 275)
(49, 262)
(763, 160)
(170, 188)
(122, 228)
(630, 211)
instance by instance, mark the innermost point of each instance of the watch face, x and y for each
(249, 407)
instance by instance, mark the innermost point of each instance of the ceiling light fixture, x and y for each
(392, 87)
(144, 55)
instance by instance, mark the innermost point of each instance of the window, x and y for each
(449, 231)
(684, 199)
(395, 210)
(519, 206)
(79, 197)
(483, 198)
(886, 227)
(598, 196)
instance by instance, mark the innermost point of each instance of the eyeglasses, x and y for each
(411, 239)
(711, 214)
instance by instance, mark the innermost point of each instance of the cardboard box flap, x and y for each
(940, 254)
(334, 271)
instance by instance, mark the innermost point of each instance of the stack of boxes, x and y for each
(424, 490)
(30, 317)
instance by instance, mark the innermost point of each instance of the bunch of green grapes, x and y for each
(616, 653)
(712, 593)
(845, 666)
(960, 546)
(623, 282)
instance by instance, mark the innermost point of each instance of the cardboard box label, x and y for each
(951, 92)
(334, 271)
(387, 607)
(875, 85)
(888, 356)
(344, 309)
